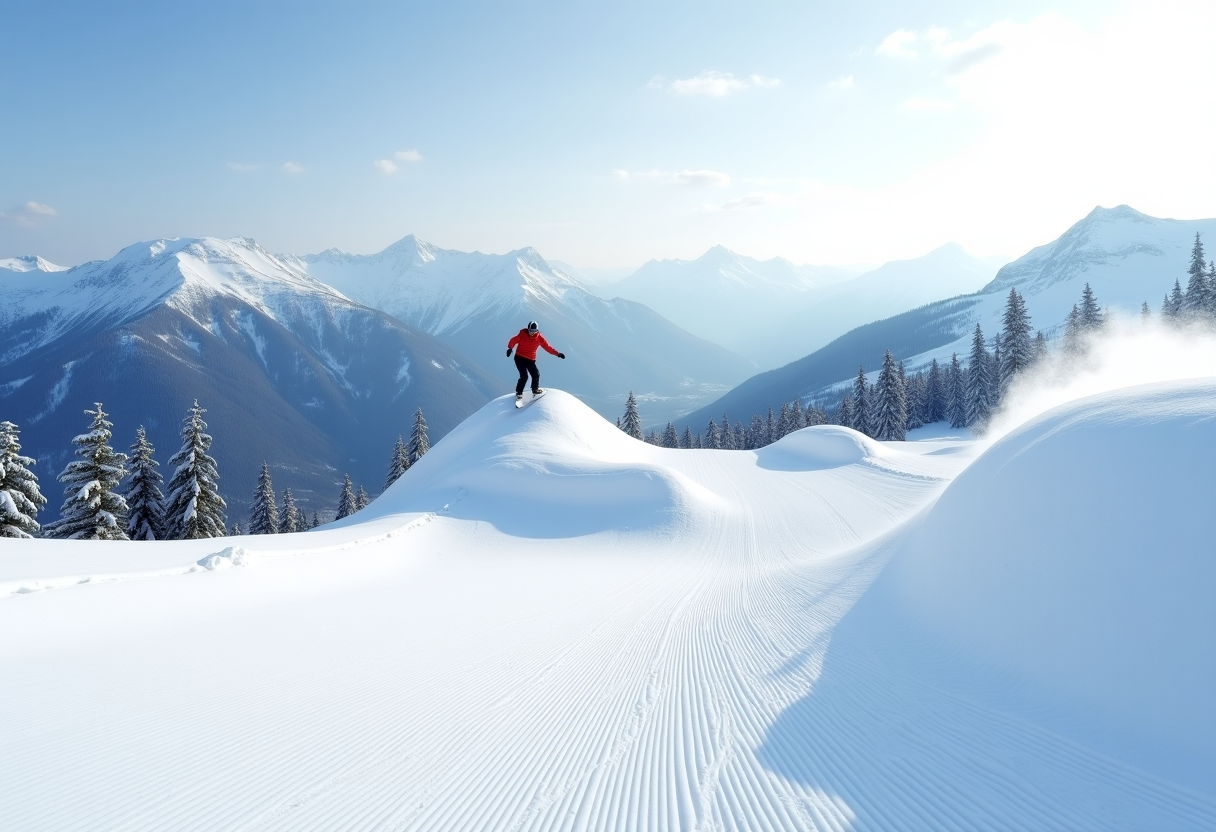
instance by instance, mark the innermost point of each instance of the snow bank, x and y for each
(553, 469)
(1069, 576)
(818, 448)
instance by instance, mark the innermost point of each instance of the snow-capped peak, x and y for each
(29, 263)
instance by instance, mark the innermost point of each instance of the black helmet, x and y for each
(532, 327)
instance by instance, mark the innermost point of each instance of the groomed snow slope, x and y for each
(547, 625)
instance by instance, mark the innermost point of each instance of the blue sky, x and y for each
(602, 134)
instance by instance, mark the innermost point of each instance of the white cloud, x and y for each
(28, 214)
(408, 156)
(385, 166)
(715, 84)
(896, 44)
(845, 83)
(748, 202)
(241, 168)
(291, 167)
(684, 178)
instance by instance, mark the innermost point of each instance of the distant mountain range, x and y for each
(1126, 256)
(475, 302)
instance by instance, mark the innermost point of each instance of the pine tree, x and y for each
(361, 499)
(916, 400)
(670, 439)
(979, 385)
(1072, 330)
(861, 403)
(419, 444)
(1195, 301)
(1172, 307)
(144, 495)
(194, 507)
(20, 499)
(1091, 313)
(316, 521)
(844, 413)
(1017, 350)
(686, 438)
(93, 509)
(727, 437)
(738, 436)
(935, 394)
(713, 438)
(956, 394)
(632, 424)
(1145, 312)
(783, 421)
(235, 529)
(290, 520)
(1040, 346)
(399, 464)
(1212, 288)
(770, 429)
(264, 513)
(797, 417)
(346, 500)
(890, 416)
(755, 432)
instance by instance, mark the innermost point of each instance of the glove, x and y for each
(508, 353)
(561, 355)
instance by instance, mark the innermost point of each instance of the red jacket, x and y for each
(525, 345)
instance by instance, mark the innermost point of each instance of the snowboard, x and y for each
(528, 399)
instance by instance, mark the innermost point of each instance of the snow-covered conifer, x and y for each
(347, 500)
(783, 421)
(844, 413)
(1195, 301)
(890, 416)
(935, 394)
(979, 384)
(264, 512)
(670, 439)
(713, 437)
(1091, 317)
(771, 433)
(316, 521)
(916, 400)
(92, 508)
(361, 499)
(289, 516)
(399, 464)
(1017, 352)
(194, 507)
(1040, 346)
(726, 437)
(1173, 303)
(956, 394)
(419, 443)
(755, 432)
(1072, 330)
(1212, 288)
(1145, 312)
(861, 403)
(632, 423)
(20, 498)
(235, 529)
(686, 438)
(797, 417)
(144, 495)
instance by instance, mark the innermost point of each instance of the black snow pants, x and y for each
(527, 367)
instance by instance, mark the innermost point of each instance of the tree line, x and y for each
(97, 506)
(965, 392)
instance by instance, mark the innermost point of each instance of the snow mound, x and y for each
(553, 469)
(818, 448)
(225, 559)
(1072, 567)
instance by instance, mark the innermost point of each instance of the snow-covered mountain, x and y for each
(773, 311)
(547, 625)
(476, 302)
(1127, 258)
(727, 297)
(289, 369)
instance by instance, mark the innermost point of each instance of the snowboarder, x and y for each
(525, 344)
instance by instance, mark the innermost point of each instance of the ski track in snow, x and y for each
(460, 677)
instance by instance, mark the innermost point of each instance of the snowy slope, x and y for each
(547, 625)
(476, 302)
(289, 369)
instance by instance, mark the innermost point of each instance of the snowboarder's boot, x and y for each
(518, 397)
(536, 391)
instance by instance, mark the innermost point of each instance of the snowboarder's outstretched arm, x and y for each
(548, 348)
